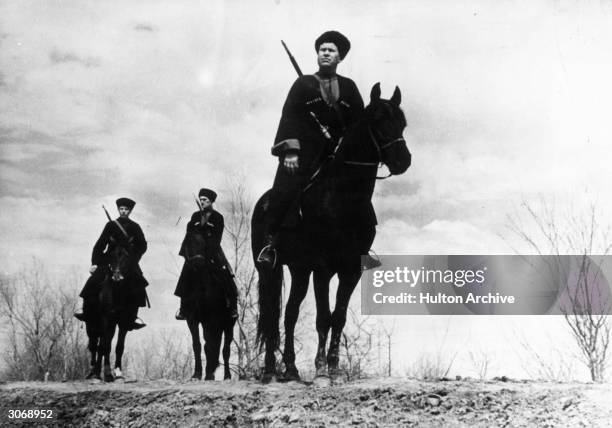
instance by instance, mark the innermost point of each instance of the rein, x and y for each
(379, 149)
(330, 158)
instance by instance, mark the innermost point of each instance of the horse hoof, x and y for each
(291, 375)
(337, 376)
(209, 377)
(108, 377)
(321, 382)
(196, 376)
(269, 378)
(117, 373)
(93, 375)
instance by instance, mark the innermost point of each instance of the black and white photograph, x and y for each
(306, 213)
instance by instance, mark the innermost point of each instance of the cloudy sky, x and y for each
(505, 101)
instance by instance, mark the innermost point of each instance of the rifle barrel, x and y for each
(292, 59)
(197, 201)
(107, 214)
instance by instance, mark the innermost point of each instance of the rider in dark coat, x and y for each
(209, 224)
(300, 143)
(111, 236)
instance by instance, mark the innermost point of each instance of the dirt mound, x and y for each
(377, 402)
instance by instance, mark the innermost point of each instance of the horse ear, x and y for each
(375, 93)
(397, 97)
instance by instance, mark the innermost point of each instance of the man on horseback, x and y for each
(209, 224)
(318, 109)
(120, 232)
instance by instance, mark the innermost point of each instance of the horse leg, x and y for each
(269, 285)
(299, 288)
(347, 281)
(321, 280)
(194, 329)
(212, 346)
(94, 338)
(119, 347)
(228, 336)
(107, 340)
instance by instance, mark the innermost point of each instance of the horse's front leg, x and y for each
(346, 286)
(194, 329)
(105, 348)
(321, 288)
(228, 336)
(212, 346)
(94, 364)
(299, 288)
(119, 347)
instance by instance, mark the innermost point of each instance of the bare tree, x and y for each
(387, 332)
(436, 364)
(481, 361)
(161, 355)
(237, 213)
(356, 346)
(553, 365)
(44, 341)
(585, 307)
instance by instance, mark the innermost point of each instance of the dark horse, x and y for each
(207, 305)
(330, 238)
(113, 306)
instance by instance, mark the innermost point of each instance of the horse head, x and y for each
(386, 122)
(195, 249)
(121, 262)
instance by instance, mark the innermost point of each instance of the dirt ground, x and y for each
(373, 402)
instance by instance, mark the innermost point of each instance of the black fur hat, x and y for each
(337, 38)
(210, 194)
(125, 202)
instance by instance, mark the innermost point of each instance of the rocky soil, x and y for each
(374, 402)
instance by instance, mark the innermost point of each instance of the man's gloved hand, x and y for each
(93, 268)
(291, 163)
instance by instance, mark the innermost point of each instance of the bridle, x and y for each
(379, 149)
(377, 145)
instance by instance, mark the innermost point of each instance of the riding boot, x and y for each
(369, 262)
(83, 313)
(138, 325)
(80, 315)
(180, 315)
(267, 256)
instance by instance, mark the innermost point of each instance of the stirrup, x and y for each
(80, 315)
(138, 325)
(262, 259)
(180, 315)
(371, 262)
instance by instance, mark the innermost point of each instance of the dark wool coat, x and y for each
(212, 232)
(297, 130)
(110, 237)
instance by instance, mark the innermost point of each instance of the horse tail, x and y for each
(270, 281)
(270, 286)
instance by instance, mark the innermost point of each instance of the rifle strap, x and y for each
(122, 230)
